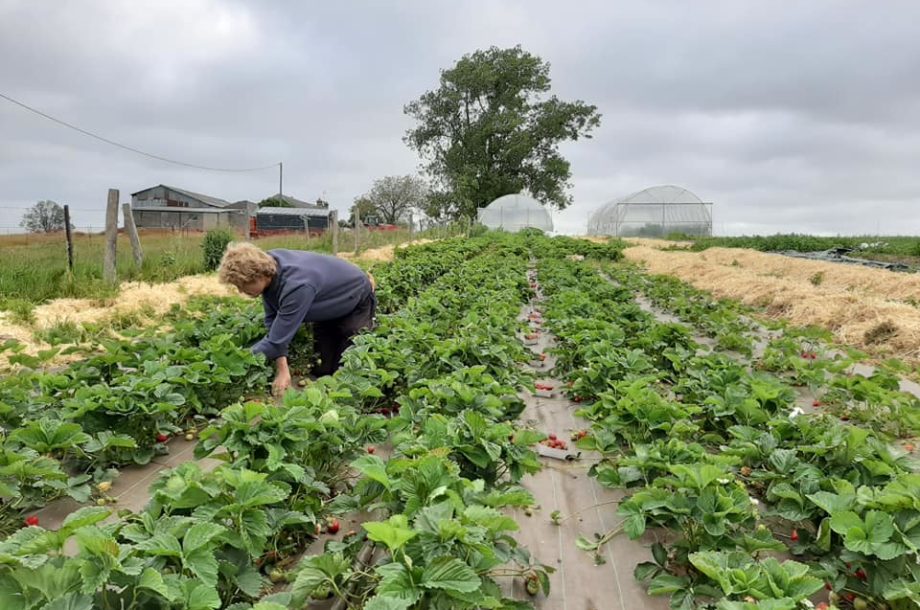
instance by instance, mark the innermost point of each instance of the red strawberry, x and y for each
(371, 449)
(861, 575)
(31, 520)
(162, 438)
(552, 436)
(794, 536)
(816, 403)
(828, 586)
(334, 526)
(850, 596)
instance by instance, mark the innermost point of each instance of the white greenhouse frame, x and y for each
(653, 212)
(513, 213)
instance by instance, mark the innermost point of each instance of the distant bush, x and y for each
(213, 246)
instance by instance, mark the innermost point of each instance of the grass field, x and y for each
(884, 246)
(33, 268)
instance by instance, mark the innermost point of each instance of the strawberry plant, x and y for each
(482, 448)
(771, 462)
(445, 540)
(308, 433)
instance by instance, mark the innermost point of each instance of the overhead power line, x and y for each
(131, 148)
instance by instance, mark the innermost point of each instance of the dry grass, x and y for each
(383, 254)
(145, 303)
(661, 244)
(152, 299)
(869, 309)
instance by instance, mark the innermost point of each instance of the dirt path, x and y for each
(870, 309)
(564, 486)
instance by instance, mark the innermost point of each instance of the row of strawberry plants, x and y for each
(457, 452)
(718, 454)
(874, 400)
(208, 537)
(720, 320)
(63, 430)
(419, 266)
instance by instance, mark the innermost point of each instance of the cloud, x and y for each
(789, 116)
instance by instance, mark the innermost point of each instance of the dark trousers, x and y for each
(333, 337)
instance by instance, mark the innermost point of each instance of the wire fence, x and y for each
(34, 266)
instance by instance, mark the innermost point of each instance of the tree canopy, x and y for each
(43, 217)
(392, 198)
(490, 129)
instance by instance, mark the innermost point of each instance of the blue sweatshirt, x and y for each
(308, 287)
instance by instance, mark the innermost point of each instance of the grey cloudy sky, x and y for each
(788, 115)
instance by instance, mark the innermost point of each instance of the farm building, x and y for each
(515, 212)
(275, 220)
(168, 207)
(293, 202)
(653, 212)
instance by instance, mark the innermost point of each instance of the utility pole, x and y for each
(281, 179)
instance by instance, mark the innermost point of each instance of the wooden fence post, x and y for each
(357, 228)
(69, 237)
(111, 236)
(131, 230)
(334, 227)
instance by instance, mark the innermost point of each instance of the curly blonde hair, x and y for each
(244, 263)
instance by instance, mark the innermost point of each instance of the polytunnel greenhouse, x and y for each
(515, 212)
(653, 212)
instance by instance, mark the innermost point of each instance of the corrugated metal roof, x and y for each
(216, 202)
(314, 211)
(163, 208)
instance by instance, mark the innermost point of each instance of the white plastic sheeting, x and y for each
(515, 212)
(653, 212)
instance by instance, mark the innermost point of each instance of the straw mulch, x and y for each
(870, 309)
(147, 301)
(383, 254)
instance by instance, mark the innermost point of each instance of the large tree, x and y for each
(490, 129)
(393, 197)
(43, 217)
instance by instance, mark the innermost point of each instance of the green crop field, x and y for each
(764, 466)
